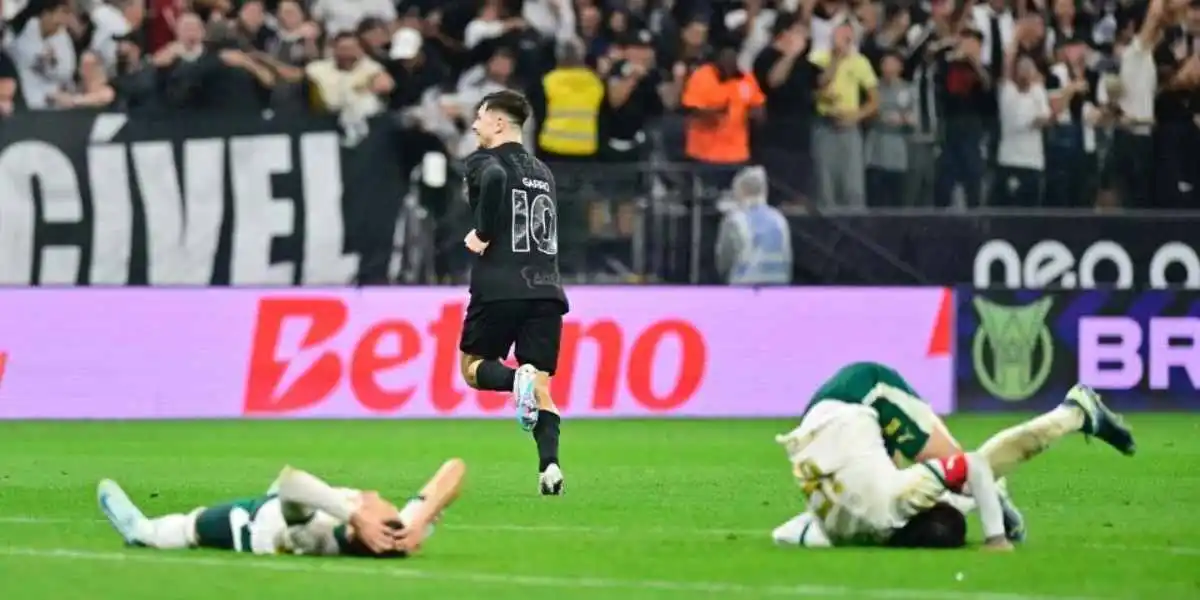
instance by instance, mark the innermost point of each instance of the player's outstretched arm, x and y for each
(982, 482)
(439, 492)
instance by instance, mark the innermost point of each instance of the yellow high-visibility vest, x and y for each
(573, 97)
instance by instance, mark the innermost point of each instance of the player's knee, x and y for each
(469, 366)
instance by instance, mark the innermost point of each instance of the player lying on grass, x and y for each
(299, 514)
(857, 496)
(912, 433)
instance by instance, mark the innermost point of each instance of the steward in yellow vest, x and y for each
(574, 94)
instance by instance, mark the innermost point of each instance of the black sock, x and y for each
(495, 376)
(545, 433)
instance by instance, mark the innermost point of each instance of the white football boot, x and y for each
(124, 515)
(550, 481)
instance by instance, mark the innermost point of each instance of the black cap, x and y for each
(636, 39)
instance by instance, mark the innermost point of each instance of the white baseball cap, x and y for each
(406, 43)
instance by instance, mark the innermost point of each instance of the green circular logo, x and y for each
(1017, 337)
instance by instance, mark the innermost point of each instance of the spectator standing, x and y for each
(636, 95)
(293, 46)
(1177, 173)
(1071, 137)
(966, 99)
(136, 82)
(567, 106)
(350, 84)
(42, 51)
(788, 79)
(211, 76)
(1132, 158)
(1024, 112)
(837, 138)
(887, 138)
(929, 42)
(719, 101)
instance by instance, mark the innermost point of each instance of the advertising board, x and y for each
(128, 353)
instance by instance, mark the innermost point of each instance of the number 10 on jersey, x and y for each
(536, 221)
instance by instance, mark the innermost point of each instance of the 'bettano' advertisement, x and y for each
(219, 353)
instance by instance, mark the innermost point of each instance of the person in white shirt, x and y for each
(489, 24)
(42, 51)
(553, 19)
(351, 84)
(114, 20)
(1021, 158)
(339, 16)
(1132, 157)
(994, 17)
(756, 20)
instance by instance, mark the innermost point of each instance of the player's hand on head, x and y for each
(409, 539)
(371, 530)
(370, 523)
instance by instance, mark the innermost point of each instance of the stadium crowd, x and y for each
(847, 103)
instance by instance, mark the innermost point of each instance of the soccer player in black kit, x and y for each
(516, 291)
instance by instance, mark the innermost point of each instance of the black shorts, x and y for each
(491, 329)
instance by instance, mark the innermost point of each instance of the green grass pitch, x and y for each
(654, 509)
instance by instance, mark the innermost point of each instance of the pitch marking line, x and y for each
(488, 579)
(586, 530)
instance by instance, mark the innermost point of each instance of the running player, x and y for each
(856, 494)
(299, 514)
(516, 290)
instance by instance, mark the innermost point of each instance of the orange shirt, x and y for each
(724, 139)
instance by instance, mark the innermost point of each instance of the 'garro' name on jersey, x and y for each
(536, 184)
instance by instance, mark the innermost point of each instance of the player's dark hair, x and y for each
(511, 103)
(356, 547)
(942, 526)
